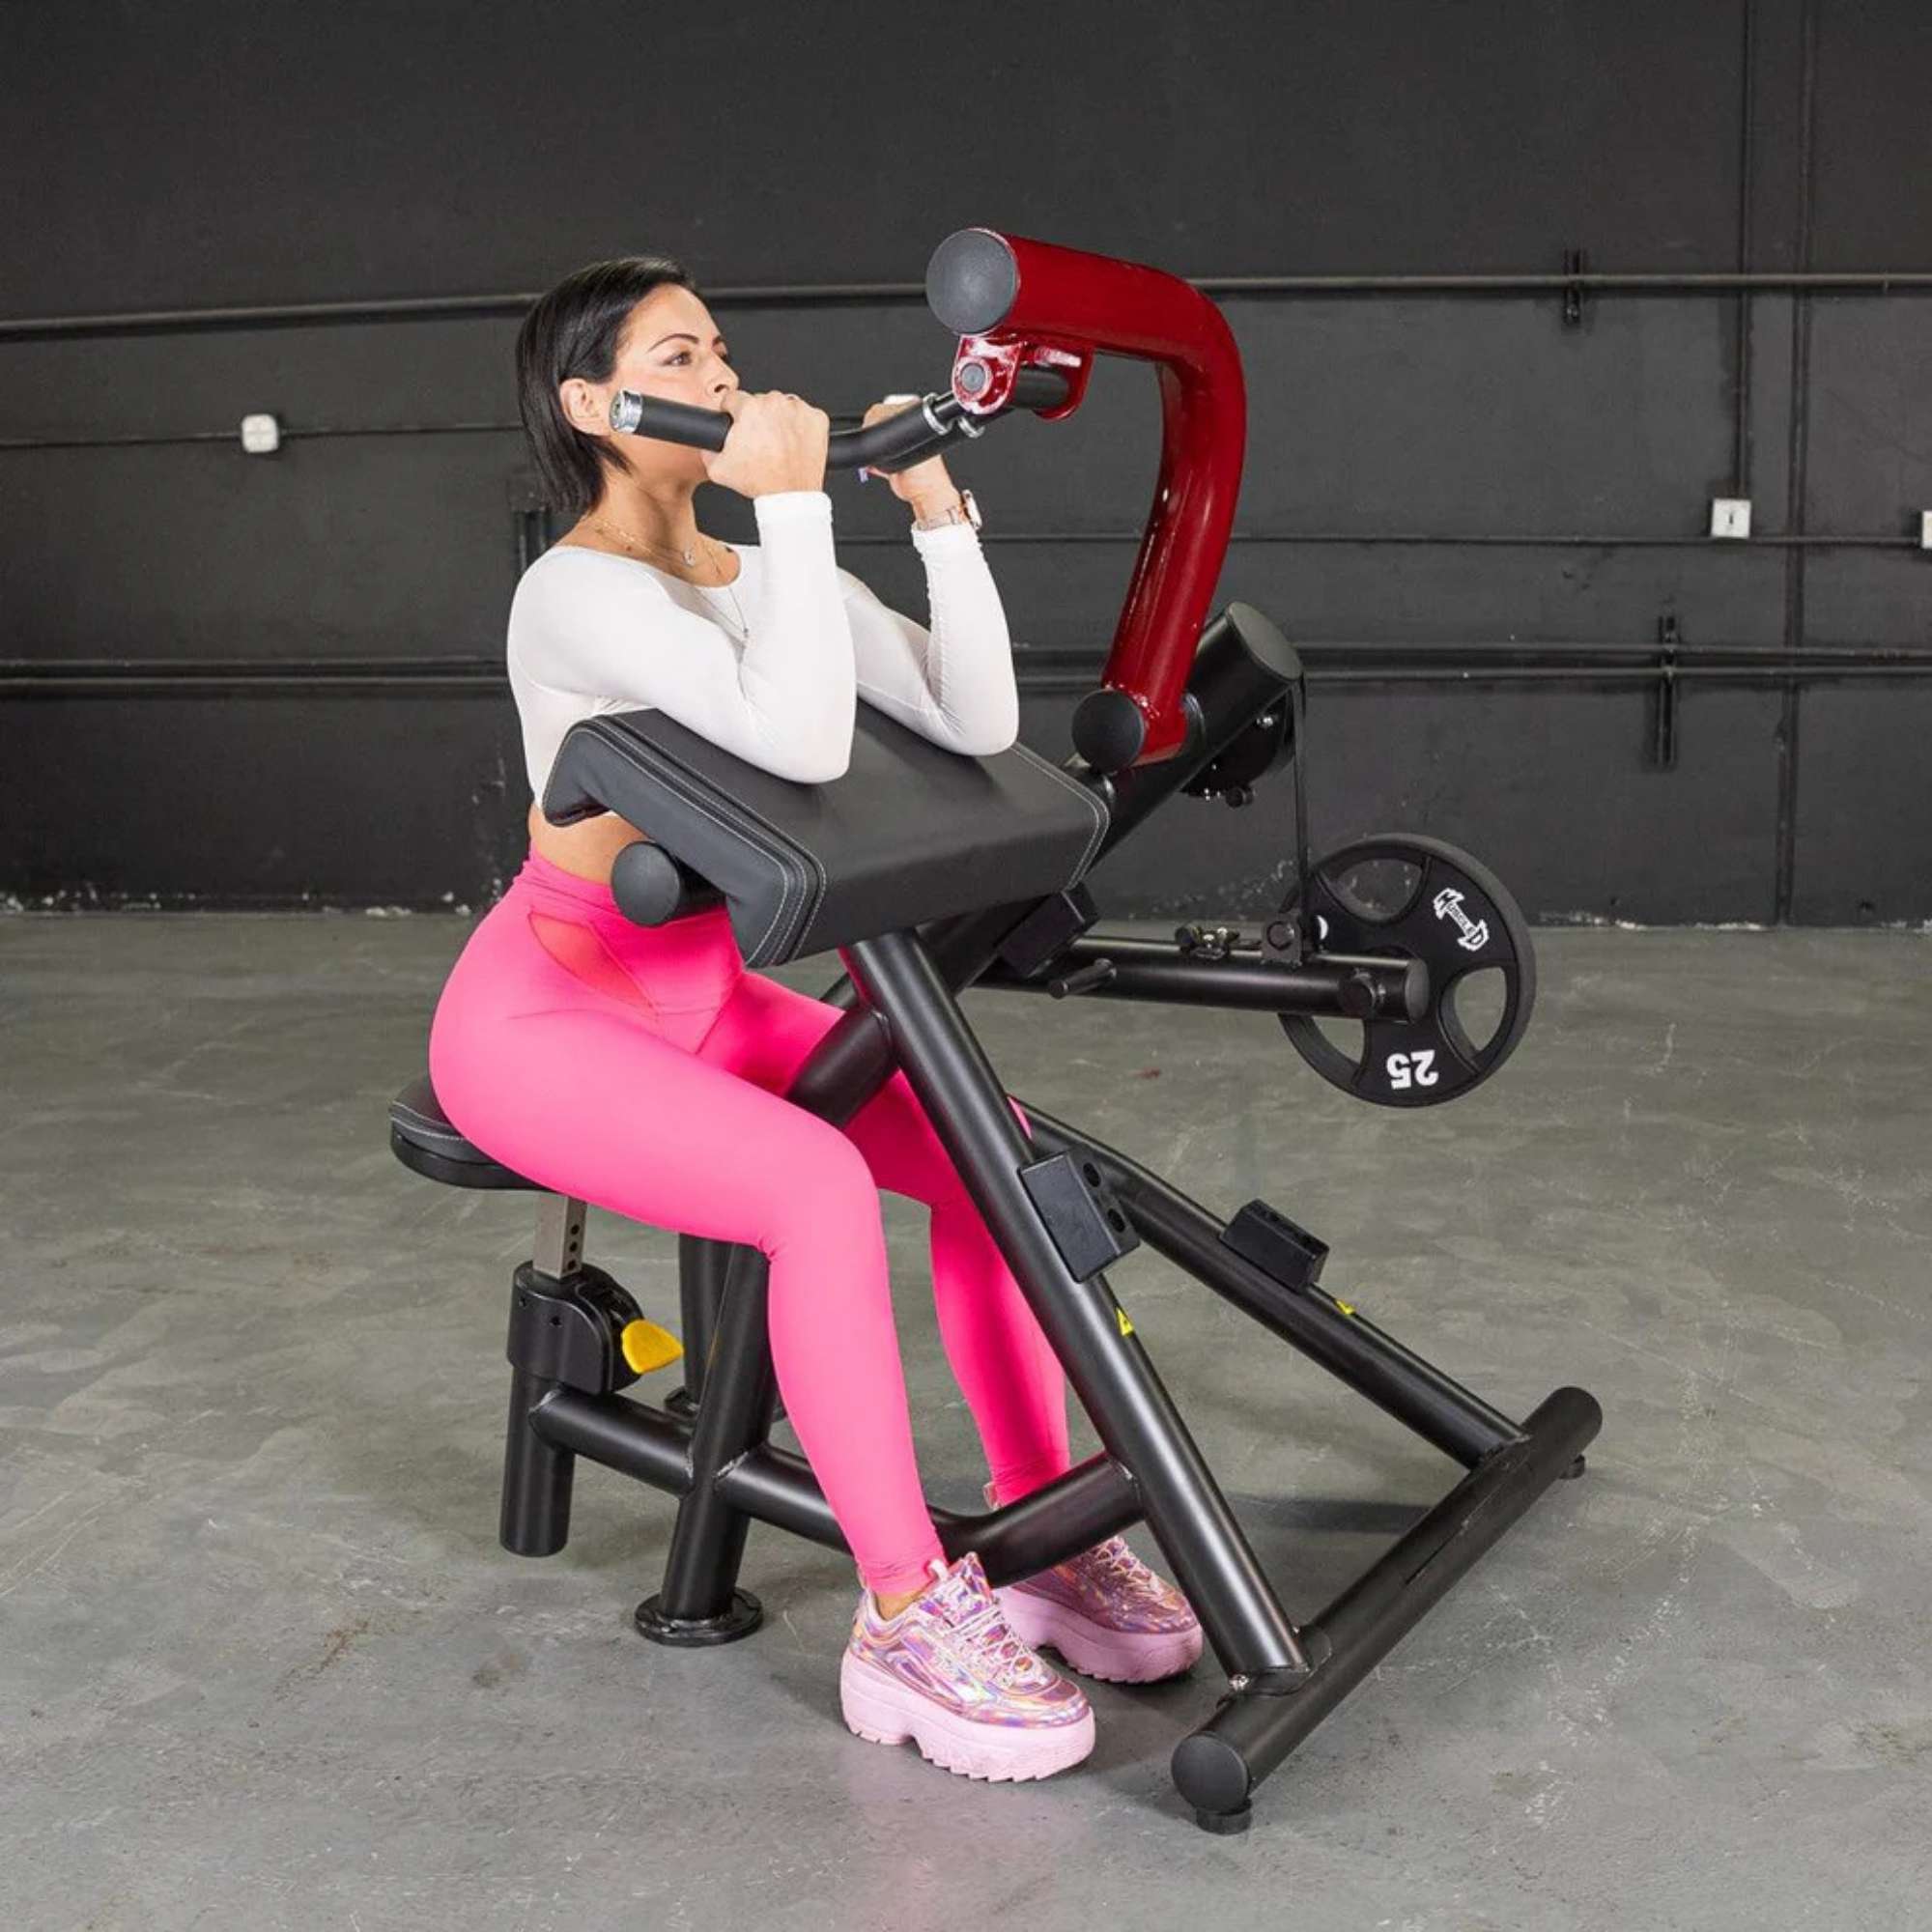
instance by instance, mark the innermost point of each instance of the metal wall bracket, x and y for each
(1663, 701)
(1576, 264)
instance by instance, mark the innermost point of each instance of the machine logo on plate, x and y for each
(1475, 931)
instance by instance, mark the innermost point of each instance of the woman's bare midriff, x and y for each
(589, 848)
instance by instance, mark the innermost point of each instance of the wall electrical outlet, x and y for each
(261, 435)
(1731, 516)
(1925, 529)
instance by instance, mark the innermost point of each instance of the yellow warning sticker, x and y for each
(1120, 1316)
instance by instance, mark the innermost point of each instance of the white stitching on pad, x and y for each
(670, 770)
(669, 779)
(1083, 793)
(785, 839)
(1054, 772)
(687, 787)
(671, 782)
(687, 783)
(1087, 795)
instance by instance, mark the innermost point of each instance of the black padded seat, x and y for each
(422, 1139)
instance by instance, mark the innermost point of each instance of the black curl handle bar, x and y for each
(898, 442)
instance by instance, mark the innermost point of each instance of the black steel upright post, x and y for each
(537, 1477)
(1134, 1413)
(702, 1266)
(700, 1601)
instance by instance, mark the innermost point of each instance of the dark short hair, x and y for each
(575, 330)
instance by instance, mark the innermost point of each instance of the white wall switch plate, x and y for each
(1731, 516)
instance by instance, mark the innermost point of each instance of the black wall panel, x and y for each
(1864, 850)
(288, 152)
(384, 796)
(1852, 599)
(1431, 470)
(1457, 420)
(1870, 418)
(1870, 197)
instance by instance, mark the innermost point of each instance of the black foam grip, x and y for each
(670, 422)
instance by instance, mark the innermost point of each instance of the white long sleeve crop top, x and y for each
(592, 632)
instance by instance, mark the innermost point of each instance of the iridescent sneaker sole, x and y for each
(879, 1708)
(1114, 1655)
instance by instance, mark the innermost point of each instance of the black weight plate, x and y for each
(1455, 916)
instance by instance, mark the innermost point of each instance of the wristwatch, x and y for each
(965, 511)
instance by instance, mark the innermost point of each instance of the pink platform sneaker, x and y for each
(1106, 1613)
(948, 1673)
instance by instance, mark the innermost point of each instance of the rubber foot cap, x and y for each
(1210, 1776)
(1226, 1823)
(744, 1616)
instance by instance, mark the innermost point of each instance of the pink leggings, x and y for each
(643, 1069)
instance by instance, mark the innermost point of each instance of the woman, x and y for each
(644, 1068)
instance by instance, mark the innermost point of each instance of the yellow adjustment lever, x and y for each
(647, 1347)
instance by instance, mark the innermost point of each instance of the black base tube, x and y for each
(629, 1437)
(1092, 1501)
(1254, 1727)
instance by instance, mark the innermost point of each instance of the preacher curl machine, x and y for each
(929, 871)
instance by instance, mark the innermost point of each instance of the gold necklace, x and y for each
(625, 536)
(688, 557)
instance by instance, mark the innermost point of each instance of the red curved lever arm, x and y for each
(1067, 297)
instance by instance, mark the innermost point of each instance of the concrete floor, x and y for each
(263, 1665)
